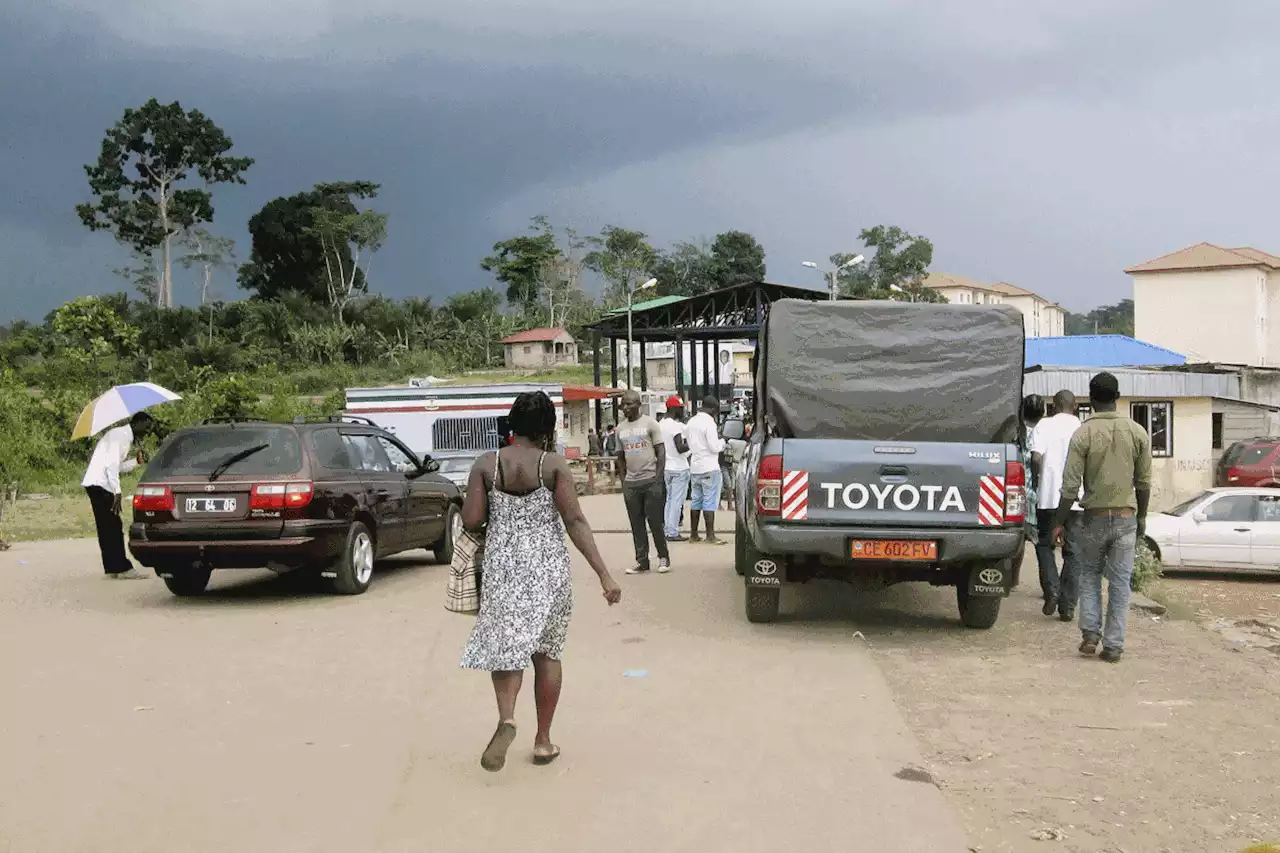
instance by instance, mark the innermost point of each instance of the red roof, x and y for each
(532, 335)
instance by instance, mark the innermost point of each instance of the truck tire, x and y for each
(443, 549)
(353, 569)
(739, 547)
(187, 581)
(762, 604)
(979, 612)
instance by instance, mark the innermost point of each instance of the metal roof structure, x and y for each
(1099, 351)
(1133, 383)
(731, 312)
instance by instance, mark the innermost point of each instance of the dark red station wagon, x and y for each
(1253, 463)
(328, 494)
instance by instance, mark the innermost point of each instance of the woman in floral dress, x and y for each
(525, 498)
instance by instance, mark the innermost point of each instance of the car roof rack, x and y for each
(232, 419)
(333, 419)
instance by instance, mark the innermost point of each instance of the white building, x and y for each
(1040, 317)
(1211, 304)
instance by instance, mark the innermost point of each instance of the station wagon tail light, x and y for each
(153, 499)
(1015, 493)
(769, 486)
(281, 495)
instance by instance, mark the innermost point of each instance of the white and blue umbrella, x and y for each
(120, 403)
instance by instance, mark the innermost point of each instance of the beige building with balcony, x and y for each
(1040, 317)
(1211, 304)
(538, 349)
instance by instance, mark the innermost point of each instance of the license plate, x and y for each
(196, 505)
(893, 549)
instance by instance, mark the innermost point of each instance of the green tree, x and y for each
(683, 270)
(524, 264)
(736, 258)
(624, 259)
(138, 180)
(896, 269)
(344, 239)
(1107, 320)
(287, 255)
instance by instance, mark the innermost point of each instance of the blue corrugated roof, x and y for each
(1099, 351)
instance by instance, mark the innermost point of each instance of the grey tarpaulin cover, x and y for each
(880, 370)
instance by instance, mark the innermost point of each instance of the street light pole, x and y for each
(834, 275)
(630, 293)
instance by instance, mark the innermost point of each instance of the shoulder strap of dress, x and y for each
(499, 481)
(540, 458)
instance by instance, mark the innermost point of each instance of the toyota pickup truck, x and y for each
(884, 448)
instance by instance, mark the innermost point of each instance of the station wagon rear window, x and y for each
(200, 452)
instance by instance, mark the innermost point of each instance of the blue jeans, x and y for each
(677, 491)
(1065, 587)
(1107, 546)
(706, 491)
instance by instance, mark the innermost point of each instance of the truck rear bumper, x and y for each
(955, 546)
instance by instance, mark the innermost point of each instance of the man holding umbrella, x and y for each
(113, 457)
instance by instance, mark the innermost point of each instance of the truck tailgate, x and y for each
(916, 484)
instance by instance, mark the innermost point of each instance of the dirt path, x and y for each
(1172, 750)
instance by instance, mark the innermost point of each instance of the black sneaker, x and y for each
(1089, 645)
(1111, 655)
(1050, 606)
(638, 570)
(677, 538)
(664, 565)
(1066, 615)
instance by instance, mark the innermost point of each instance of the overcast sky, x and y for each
(1043, 143)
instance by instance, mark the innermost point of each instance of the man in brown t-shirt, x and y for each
(642, 456)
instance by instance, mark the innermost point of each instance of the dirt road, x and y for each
(268, 718)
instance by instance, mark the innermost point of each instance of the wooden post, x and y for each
(595, 374)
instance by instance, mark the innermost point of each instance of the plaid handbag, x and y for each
(462, 592)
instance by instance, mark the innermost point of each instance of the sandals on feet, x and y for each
(544, 758)
(494, 757)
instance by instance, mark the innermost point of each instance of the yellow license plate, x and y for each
(893, 549)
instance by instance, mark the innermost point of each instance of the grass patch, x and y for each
(65, 514)
(1146, 568)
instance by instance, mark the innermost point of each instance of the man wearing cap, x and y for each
(677, 470)
(1110, 456)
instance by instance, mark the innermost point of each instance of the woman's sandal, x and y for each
(494, 757)
(545, 758)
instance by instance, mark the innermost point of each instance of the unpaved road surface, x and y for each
(267, 717)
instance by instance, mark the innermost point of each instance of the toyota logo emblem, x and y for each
(766, 568)
(210, 487)
(991, 576)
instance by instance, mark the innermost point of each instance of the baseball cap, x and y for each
(674, 402)
(1104, 388)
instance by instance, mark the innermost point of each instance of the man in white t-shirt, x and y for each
(1049, 443)
(111, 458)
(677, 470)
(703, 435)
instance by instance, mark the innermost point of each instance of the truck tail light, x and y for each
(153, 499)
(1015, 493)
(281, 495)
(769, 486)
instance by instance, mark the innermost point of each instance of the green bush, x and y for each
(1146, 568)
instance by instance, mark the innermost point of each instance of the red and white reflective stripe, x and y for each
(991, 500)
(795, 495)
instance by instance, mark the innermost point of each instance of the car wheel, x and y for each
(979, 612)
(452, 533)
(354, 568)
(187, 581)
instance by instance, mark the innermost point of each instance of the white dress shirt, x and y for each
(1051, 438)
(670, 427)
(705, 444)
(110, 459)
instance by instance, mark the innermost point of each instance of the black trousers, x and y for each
(110, 531)
(645, 504)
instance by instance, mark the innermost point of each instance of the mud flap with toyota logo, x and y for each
(765, 572)
(991, 579)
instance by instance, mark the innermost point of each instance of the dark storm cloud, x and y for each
(458, 112)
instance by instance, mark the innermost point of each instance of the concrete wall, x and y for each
(1190, 470)
(539, 354)
(1207, 315)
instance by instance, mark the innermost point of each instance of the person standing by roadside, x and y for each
(1110, 456)
(677, 470)
(642, 456)
(705, 444)
(1049, 443)
(611, 450)
(101, 483)
(1032, 414)
(593, 444)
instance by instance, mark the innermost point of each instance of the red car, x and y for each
(1254, 463)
